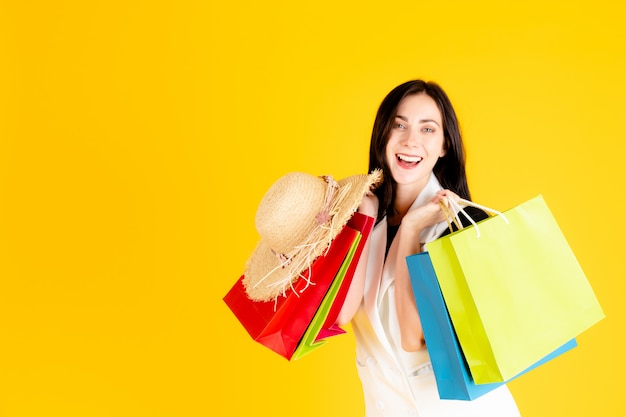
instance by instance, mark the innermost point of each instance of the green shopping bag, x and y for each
(514, 290)
(309, 343)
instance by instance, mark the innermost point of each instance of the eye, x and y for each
(428, 130)
(399, 126)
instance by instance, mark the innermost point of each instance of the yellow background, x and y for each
(137, 138)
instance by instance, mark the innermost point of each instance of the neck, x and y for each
(405, 197)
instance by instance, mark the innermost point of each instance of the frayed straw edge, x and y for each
(318, 235)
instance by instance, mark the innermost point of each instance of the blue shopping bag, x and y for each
(452, 374)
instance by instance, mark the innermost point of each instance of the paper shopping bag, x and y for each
(280, 324)
(324, 324)
(364, 224)
(515, 291)
(452, 375)
(309, 341)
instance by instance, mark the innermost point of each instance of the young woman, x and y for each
(416, 141)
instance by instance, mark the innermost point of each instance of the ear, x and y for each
(443, 150)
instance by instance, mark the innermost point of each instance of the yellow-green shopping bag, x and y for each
(309, 341)
(514, 290)
(323, 325)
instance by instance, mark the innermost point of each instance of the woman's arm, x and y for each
(369, 207)
(411, 333)
(357, 288)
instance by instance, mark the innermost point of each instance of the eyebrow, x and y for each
(406, 119)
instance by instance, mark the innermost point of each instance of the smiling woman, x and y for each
(417, 143)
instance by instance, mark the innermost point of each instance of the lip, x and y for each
(408, 161)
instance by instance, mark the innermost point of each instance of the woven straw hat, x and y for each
(297, 219)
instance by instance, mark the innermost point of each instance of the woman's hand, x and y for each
(369, 205)
(429, 214)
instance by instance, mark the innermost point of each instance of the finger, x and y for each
(440, 197)
(450, 195)
(436, 199)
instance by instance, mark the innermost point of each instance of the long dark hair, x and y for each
(449, 169)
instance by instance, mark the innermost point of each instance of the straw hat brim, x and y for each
(265, 278)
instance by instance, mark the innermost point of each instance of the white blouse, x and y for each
(395, 382)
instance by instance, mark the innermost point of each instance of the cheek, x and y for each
(389, 152)
(394, 141)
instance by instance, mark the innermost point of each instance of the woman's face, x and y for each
(416, 141)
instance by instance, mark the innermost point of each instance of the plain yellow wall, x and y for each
(137, 138)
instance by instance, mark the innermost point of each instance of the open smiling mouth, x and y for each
(408, 160)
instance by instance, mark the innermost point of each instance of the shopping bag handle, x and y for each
(458, 208)
(450, 217)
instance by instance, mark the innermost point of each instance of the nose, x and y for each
(412, 138)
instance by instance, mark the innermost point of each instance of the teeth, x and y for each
(407, 158)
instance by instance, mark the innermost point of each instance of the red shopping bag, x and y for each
(280, 324)
(364, 224)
